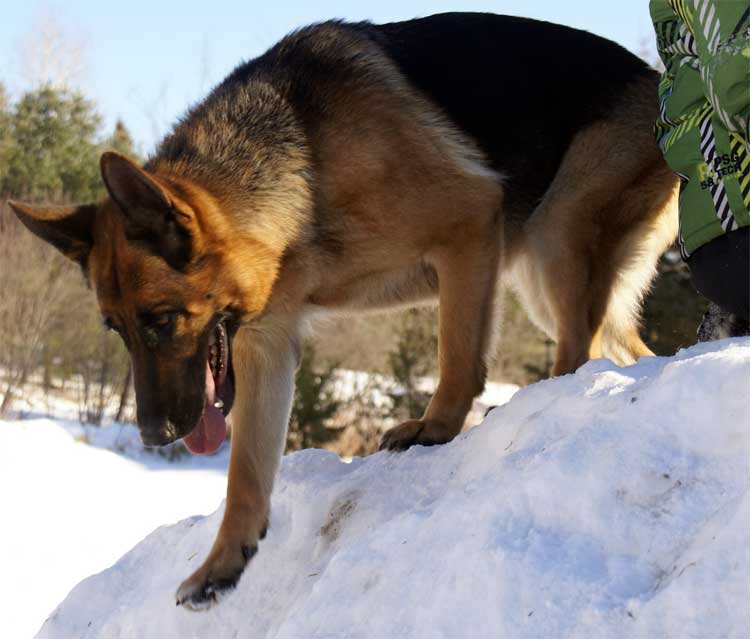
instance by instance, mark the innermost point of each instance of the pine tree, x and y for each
(122, 142)
(314, 404)
(413, 357)
(55, 154)
(49, 151)
(6, 139)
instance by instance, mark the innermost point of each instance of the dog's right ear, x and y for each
(150, 211)
(68, 228)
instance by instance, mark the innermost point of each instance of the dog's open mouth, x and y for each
(211, 430)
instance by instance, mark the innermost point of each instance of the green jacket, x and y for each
(704, 98)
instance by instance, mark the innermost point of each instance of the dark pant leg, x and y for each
(720, 271)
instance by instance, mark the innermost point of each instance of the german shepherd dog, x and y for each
(362, 166)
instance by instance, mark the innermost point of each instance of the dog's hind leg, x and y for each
(264, 364)
(653, 204)
(565, 285)
(467, 275)
(596, 260)
(561, 271)
(593, 242)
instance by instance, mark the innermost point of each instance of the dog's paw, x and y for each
(204, 594)
(427, 432)
(213, 580)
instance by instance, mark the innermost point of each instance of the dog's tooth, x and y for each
(218, 404)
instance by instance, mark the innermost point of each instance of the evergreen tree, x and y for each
(413, 357)
(55, 154)
(314, 404)
(122, 142)
(6, 138)
(49, 151)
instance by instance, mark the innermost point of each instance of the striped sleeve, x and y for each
(722, 33)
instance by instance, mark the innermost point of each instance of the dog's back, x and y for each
(521, 88)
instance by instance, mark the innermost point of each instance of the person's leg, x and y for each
(720, 271)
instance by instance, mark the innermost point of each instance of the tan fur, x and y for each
(265, 364)
(408, 211)
(585, 258)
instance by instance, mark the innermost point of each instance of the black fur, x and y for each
(520, 88)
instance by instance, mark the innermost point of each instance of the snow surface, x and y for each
(74, 499)
(375, 390)
(610, 503)
(79, 507)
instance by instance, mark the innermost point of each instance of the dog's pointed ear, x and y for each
(68, 228)
(149, 208)
(138, 194)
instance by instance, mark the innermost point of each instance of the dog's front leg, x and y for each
(264, 365)
(467, 274)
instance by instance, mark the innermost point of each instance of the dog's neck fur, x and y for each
(258, 169)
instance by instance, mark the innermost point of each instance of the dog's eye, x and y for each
(162, 320)
(158, 326)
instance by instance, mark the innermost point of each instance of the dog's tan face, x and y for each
(166, 315)
(174, 279)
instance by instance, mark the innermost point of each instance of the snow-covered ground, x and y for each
(71, 508)
(83, 496)
(613, 503)
(374, 390)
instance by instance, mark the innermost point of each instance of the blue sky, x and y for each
(145, 62)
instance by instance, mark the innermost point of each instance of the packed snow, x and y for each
(74, 499)
(612, 503)
(100, 491)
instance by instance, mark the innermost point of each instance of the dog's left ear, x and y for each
(68, 228)
(150, 209)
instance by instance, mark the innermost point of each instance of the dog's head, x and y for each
(174, 277)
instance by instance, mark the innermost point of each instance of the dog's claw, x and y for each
(248, 552)
(207, 595)
(204, 588)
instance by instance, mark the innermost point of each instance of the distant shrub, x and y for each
(412, 357)
(314, 404)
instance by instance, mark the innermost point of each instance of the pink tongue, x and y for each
(211, 430)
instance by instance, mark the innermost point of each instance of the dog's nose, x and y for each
(158, 438)
(156, 431)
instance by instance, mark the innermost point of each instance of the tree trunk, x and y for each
(103, 378)
(10, 387)
(6, 398)
(125, 394)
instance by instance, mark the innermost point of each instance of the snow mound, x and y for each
(74, 498)
(610, 503)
